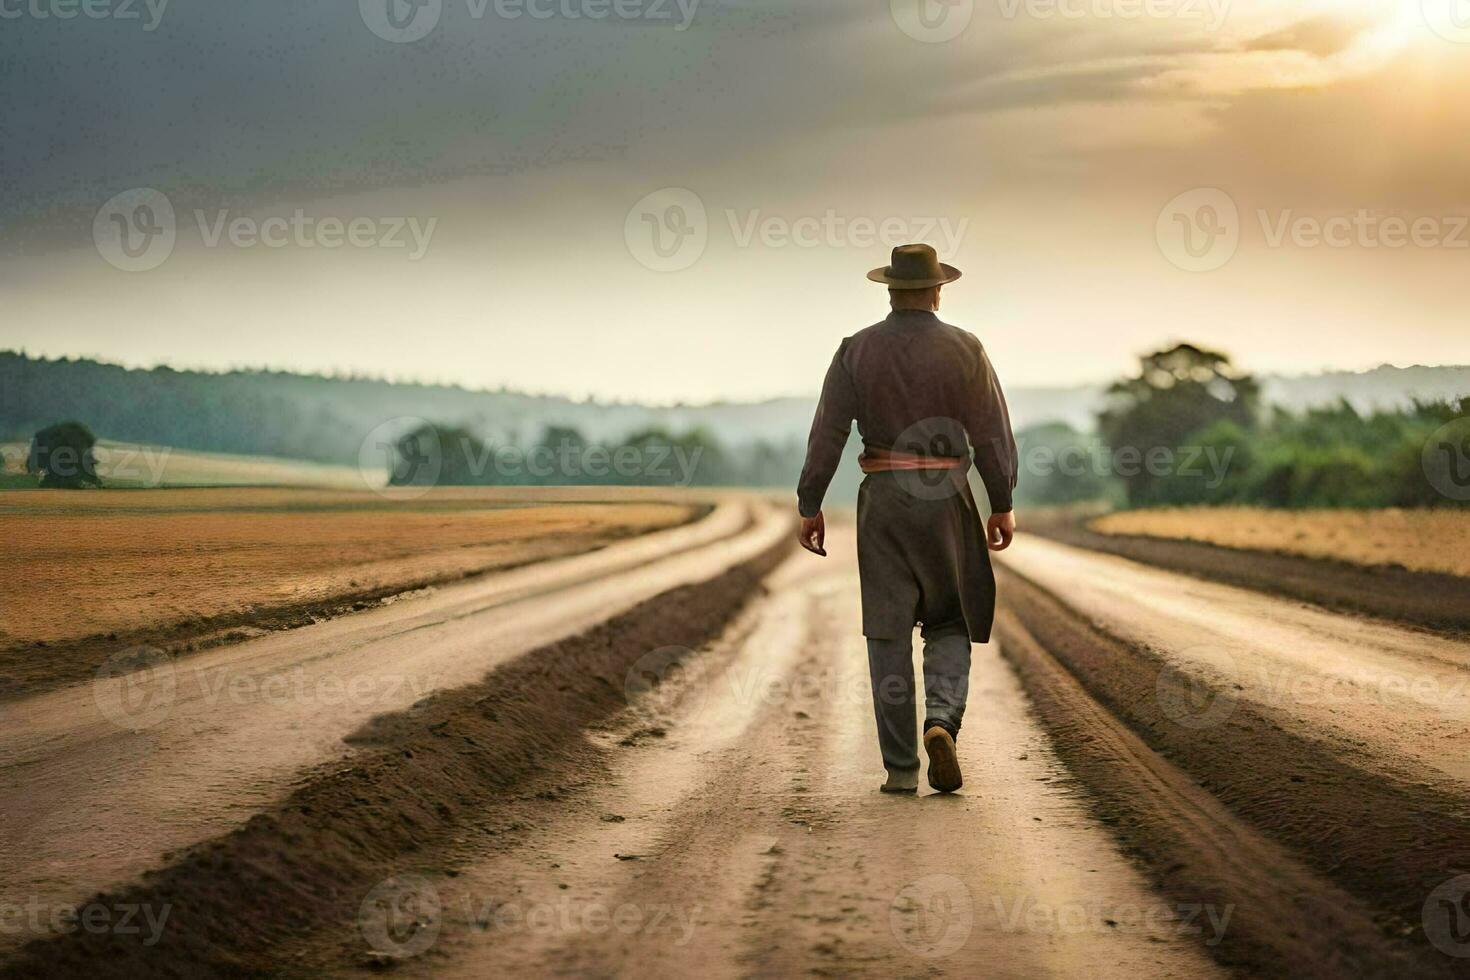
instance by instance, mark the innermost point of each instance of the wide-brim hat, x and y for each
(915, 267)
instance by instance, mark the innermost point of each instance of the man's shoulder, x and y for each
(959, 332)
(947, 333)
(961, 337)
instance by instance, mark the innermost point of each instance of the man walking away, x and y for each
(920, 390)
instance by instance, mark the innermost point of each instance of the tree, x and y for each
(62, 456)
(1178, 392)
(441, 456)
(1059, 466)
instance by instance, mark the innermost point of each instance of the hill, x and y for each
(326, 419)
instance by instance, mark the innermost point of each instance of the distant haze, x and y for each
(512, 173)
(327, 419)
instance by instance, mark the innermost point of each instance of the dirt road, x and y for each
(99, 780)
(751, 841)
(1164, 777)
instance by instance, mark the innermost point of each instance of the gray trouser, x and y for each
(946, 686)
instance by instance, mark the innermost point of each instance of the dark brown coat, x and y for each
(917, 385)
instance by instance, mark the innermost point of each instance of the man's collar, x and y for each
(924, 313)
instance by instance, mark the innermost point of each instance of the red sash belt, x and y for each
(884, 461)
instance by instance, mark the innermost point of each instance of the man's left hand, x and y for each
(813, 534)
(999, 530)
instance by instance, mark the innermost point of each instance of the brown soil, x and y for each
(756, 824)
(1428, 600)
(86, 574)
(1383, 841)
(1419, 540)
(244, 904)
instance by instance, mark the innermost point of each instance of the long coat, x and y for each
(917, 385)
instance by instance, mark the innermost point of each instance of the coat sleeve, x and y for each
(830, 428)
(988, 424)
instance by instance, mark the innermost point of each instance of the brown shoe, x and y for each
(944, 763)
(904, 781)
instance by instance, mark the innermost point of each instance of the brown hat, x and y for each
(915, 267)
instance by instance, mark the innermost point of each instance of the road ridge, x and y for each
(1363, 849)
(242, 902)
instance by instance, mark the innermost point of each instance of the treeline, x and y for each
(434, 455)
(1189, 430)
(244, 412)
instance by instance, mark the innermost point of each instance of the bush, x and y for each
(62, 456)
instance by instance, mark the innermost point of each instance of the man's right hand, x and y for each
(813, 534)
(999, 530)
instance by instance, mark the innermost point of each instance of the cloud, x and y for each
(1322, 36)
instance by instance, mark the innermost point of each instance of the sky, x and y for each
(662, 201)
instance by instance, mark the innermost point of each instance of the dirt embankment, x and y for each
(245, 904)
(87, 574)
(1385, 842)
(1419, 540)
(1428, 600)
